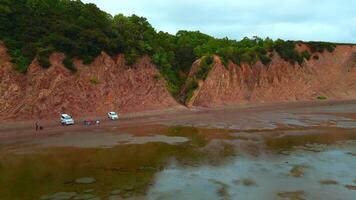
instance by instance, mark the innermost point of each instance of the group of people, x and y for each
(38, 127)
(89, 122)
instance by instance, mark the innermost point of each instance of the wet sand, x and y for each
(255, 116)
(286, 151)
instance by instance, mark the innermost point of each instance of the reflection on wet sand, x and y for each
(304, 156)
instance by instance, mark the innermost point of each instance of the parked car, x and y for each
(113, 116)
(66, 119)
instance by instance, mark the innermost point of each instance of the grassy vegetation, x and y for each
(192, 86)
(322, 98)
(94, 81)
(205, 66)
(306, 54)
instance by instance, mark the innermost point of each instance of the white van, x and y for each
(66, 119)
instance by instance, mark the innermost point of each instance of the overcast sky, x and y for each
(327, 20)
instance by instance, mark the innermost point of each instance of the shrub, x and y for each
(260, 50)
(193, 85)
(224, 62)
(265, 59)
(43, 57)
(321, 46)
(43, 61)
(68, 63)
(205, 67)
(170, 74)
(94, 81)
(322, 98)
(157, 77)
(21, 63)
(208, 60)
(306, 55)
(286, 49)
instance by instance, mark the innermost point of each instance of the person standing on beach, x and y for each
(36, 124)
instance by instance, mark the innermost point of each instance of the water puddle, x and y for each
(103, 140)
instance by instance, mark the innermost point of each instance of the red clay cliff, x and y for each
(108, 84)
(105, 85)
(333, 76)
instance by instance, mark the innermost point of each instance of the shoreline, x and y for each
(18, 129)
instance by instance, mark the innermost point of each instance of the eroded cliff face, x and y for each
(109, 85)
(333, 75)
(105, 85)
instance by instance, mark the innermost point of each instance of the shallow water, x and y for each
(264, 177)
(293, 161)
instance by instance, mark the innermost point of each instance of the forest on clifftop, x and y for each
(36, 28)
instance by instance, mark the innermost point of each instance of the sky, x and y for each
(309, 20)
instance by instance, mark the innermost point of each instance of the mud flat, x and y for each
(288, 151)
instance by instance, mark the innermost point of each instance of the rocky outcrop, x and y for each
(333, 75)
(105, 85)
